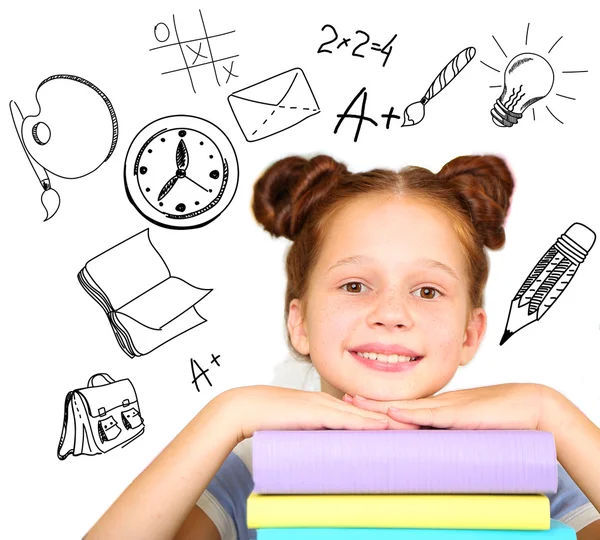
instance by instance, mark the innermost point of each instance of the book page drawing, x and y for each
(528, 78)
(273, 105)
(145, 305)
(549, 278)
(100, 417)
(195, 51)
(181, 172)
(74, 132)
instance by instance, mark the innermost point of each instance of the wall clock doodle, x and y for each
(181, 172)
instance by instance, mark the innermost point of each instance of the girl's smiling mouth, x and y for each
(384, 357)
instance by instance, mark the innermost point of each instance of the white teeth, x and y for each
(391, 359)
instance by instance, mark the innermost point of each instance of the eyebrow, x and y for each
(362, 259)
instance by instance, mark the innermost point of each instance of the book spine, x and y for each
(395, 461)
(523, 512)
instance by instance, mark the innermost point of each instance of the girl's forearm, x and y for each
(577, 443)
(158, 501)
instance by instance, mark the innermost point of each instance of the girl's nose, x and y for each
(391, 310)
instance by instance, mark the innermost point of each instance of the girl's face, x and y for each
(390, 283)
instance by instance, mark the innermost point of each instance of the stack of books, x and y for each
(404, 485)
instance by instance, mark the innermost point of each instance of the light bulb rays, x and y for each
(528, 78)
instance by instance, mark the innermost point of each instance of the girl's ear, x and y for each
(296, 330)
(473, 335)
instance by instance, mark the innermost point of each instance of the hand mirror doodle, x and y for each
(181, 172)
(74, 132)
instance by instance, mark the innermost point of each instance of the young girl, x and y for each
(385, 297)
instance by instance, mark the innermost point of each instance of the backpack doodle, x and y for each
(100, 417)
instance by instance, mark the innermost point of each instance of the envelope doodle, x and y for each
(273, 105)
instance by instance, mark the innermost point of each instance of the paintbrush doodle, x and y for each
(415, 112)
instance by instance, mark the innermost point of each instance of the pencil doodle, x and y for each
(100, 417)
(181, 172)
(415, 112)
(386, 50)
(549, 278)
(528, 78)
(74, 132)
(195, 52)
(273, 105)
(203, 372)
(145, 305)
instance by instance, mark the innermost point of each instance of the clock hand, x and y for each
(207, 191)
(168, 186)
(181, 156)
(182, 160)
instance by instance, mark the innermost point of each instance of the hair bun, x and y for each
(289, 190)
(484, 185)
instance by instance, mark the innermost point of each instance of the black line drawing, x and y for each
(190, 54)
(360, 117)
(203, 372)
(145, 305)
(74, 132)
(50, 197)
(386, 50)
(415, 112)
(549, 278)
(528, 78)
(273, 105)
(181, 172)
(100, 417)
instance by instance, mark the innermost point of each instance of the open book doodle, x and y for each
(146, 306)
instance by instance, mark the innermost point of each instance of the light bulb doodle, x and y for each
(527, 79)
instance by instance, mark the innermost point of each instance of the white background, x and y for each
(54, 336)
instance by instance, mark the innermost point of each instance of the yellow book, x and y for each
(525, 512)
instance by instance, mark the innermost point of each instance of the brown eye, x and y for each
(353, 287)
(428, 293)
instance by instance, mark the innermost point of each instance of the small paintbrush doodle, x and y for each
(415, 112)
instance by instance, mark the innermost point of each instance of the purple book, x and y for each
(403, 461)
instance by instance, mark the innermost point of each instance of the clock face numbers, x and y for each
(181, 172)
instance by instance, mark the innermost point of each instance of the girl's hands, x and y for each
(263, 407)
(502, 406)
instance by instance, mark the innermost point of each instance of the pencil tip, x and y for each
(506, 335)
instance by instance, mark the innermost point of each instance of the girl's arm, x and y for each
(162, 498)
(159, 500)
(577, 441)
